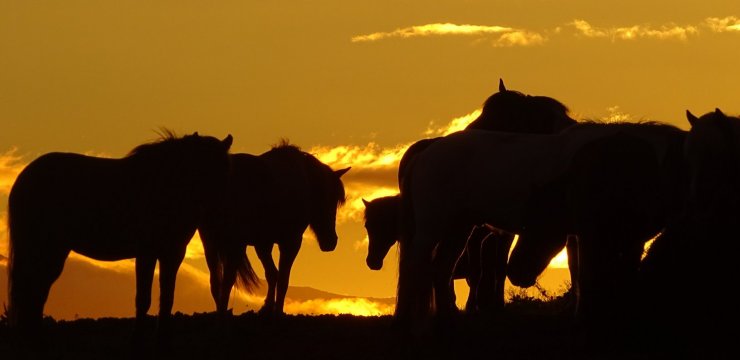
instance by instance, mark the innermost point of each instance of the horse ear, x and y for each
(501, 87)
(341, 172)
(227, 141)
(717, 111)
(365, 202)
(691, 117)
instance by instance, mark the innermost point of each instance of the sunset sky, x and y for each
(354, 82)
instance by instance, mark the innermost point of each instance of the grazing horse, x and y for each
(506, 111)
(271, 199)
(145, 206)
(502, 179)
(382, 223)
(692, 258)
(618, 194)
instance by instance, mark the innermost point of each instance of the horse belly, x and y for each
(105, 248)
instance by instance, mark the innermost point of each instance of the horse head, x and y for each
(382, 225)
(327, 200)
(513, 111)
(712, 152)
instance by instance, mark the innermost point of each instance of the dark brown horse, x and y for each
(506, 111)
(270, 199)
(503, 179)
(618, 192)
(145, 206)
(687, 268)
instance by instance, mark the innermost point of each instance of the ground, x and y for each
(526, 329)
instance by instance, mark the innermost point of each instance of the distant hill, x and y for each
(304, 293)
(88, 291)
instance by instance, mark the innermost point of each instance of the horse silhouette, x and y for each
(483, 246)
(382, 222)
(690, 262)
(270, 199)
(485, 258)
(146, 206)
(505, 180)
(619, 193)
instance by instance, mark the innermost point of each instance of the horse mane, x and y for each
(384, 204)
(511, 110)
(545, 101)
(652, 123)
(167, 138)
(336, 191)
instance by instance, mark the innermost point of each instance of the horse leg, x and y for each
(494, 256)
(471, 257)
(445, 256)
(33, 273)
(228, 280)
(288, 253)
(264, 253)
(144, 276)
(168, 266)
(216, 274)
(571, 247)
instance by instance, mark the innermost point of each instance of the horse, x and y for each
(619, 194)
(146, 206)
(693, 251)
(382, 223)
(502, 179)
(505, 110)
(271, 198)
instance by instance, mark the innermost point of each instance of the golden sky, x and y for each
(354, 82)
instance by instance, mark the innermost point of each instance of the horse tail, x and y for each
(246, 277)
(234, 264)
(231, 262)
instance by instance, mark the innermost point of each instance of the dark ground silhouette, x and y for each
(526, 329)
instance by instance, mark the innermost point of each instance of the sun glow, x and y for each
(352, 306)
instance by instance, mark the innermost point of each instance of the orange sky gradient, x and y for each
(353, 82)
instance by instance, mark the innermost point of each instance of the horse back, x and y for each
(465, 173)
(408, 156)
(245, 205)
(95, 206)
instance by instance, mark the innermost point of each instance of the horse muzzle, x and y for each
(374, 264)
(328, 243)
(521, 278)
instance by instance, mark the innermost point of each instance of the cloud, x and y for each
(434, 29)
(4, 234)
(456, 124)
(519, 38)
(633, 32)
(374, 173)
(725, 24)
(374, 170)
(11, 165)
(507, 36)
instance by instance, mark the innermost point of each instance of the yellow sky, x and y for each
(354, 82)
